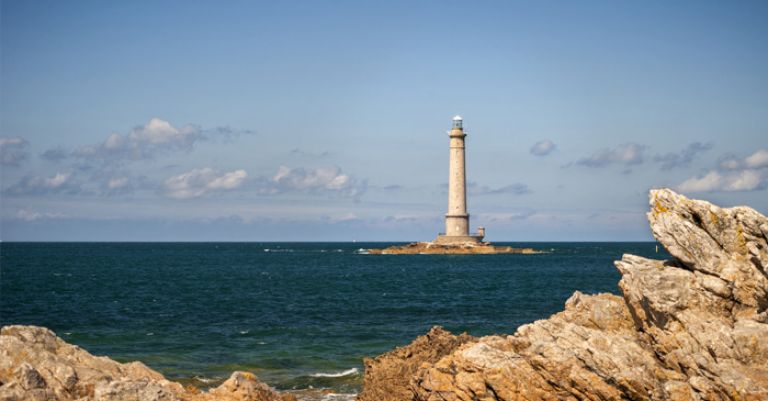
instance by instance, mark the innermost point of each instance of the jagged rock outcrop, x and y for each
(35, 364)
(691, 328)
(387, 376)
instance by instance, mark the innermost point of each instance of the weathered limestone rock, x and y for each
(691, 328)
(387, 376)
(35, 364)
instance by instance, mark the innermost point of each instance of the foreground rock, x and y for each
(691, 328)
(35, 364)
(431, 248)
(388, 376)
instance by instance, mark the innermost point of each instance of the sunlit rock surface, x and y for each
(35, 364)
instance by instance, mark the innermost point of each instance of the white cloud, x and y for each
(543, 148)
(117, 183)
(198, 182)
(758, 159)
(709, 182)
(627, 154)
(748, 174)
(143, 142)
(319, 180)
(730, 163)
(13, 150)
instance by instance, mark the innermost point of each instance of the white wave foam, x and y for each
(340, 396)
(204, 379)
(337, 374)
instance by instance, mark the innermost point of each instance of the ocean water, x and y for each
(299, 315)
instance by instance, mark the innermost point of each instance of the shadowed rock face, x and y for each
(35, 364)
(691, 328)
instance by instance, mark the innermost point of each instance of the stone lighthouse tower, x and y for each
(457, 218)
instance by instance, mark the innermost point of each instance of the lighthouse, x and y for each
(457, 218)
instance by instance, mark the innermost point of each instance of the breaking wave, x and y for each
(347, 372)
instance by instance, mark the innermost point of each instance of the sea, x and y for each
(301, 316)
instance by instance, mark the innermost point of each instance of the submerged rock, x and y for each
(35, 364)
(691, 328)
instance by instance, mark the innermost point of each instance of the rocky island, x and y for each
(690, 328)
(432, 248)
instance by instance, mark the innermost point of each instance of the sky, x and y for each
(326, 121)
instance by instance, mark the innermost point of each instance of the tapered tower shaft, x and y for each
(457, 218)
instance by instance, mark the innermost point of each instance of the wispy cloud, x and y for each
(625, 154)
(543, 148)
(31, 215)
(144, 142)
(199, 182)
(393, 187)
(119, 182)
(226, 133)
(13, 150)
(304, 153)
(682, 158)
(55, 154)
(505, 216)
(732, 174)
(513, 189)
(61, 182)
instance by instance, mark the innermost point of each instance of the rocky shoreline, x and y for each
(690, 328)
(35, 364)
(431, 248)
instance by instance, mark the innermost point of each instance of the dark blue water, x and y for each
(286, 311)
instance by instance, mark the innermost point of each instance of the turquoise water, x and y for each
(299, 315)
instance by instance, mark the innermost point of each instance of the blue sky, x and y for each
(202, 120)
